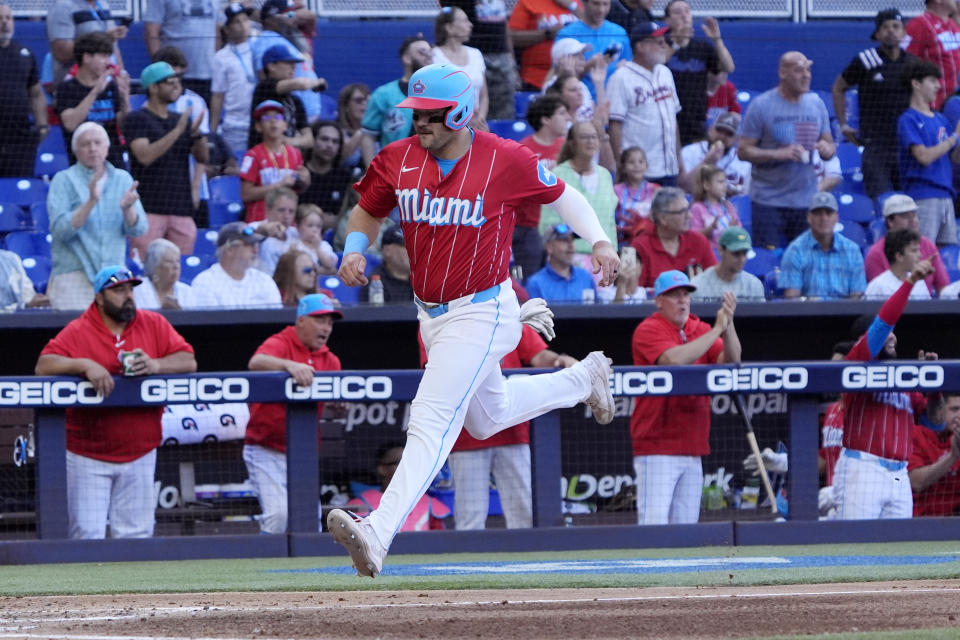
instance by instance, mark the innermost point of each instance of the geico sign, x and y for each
(29, 394)
(757, 379)
(341, 388)
(904, 376)
(195, 390)
(635, 383)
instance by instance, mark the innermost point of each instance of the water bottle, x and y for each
(375, 290)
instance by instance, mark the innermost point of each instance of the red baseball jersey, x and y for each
(938, 41)
(122, 434)
(942, 497)
(670, 425)
(528, 215)
(530, 345)
(458, 228)
(832, 432)
(879, 422)
(268, 420)
(262, 167)
(694, 256)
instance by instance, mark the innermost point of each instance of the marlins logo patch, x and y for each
(418, 87)
(546, 176)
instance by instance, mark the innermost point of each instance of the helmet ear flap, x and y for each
(458, 119)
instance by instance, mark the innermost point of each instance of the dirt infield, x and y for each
(568, 613)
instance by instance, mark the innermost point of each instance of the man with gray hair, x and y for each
(233, 281)
(671, 244)
(161, 288)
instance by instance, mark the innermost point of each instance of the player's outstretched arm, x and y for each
(362, 229)
(574, 209)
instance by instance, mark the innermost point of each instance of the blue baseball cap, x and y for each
(113, 276)
(156, 72)
(670, 280)
(280, 53)
(267, 106)
(317, 304)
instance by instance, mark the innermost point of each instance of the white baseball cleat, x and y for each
(358, 537)
(601, 397)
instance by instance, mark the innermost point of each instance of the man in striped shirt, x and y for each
(870, 479)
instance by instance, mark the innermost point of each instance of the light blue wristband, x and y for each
(357, 242)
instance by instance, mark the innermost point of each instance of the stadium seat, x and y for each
(328, 107)
(221, 212)
(763, 261)
(950, 254)
(39, 216)
(827, 98)
(854, 231)
(771, 284)
(12, 218)
(372, 263)
(206, 244)
(24, 191)
(190, 266)
(855, 207)
(852, 183)
(29, 243)
(225, 189)
(522, 100)
(347, 296)
(511, 129)
(54, 142)
(38, 270)
(137, 100)
(135, 266)
(850, 158)
(851, 101)
(49, 163)
(742, 203)
(744, 96)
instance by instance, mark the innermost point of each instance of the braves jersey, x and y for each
(262, 167)
(937, 40)
(459, 227)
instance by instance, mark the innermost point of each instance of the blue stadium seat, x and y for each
(763, 261)
(328, 107)
(137, 100)
(39, 216)
(29, 243)
(771, 284)
(12, 218)
(190, 266)
(522, 100)
(38, 269)
(950, 254)
(850, 158)
(827, 98)
(206, 244)
(135, 266)
(855, 207)
(852, 183)
(744, 96)
(348, 296)
(856, 232)
(221, 212)
(225, 189)
(511, 129)
(742, 203)
(877, 228)
(54, 142)
(23, 191)
(49, 163)
(372, 263)
(851, 101)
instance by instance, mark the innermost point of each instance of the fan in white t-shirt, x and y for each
(902, 249)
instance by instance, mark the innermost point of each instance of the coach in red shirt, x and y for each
(670, 433)
(299, 350)
(112, 453)
(671, 244)
(934, 465)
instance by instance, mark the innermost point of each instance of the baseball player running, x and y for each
(457, 190)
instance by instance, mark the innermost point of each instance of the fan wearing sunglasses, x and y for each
(272, 164)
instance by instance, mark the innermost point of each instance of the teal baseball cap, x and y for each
(317, 304)
(156, 72)
(670, 280)
(113, 276)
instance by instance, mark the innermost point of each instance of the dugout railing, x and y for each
(802, 381)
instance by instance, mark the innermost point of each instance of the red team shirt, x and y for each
(127, 433)
(937, 40)
(670, 425)
(261, 167)
(694, 255)
(268, 420)
(530, 345)
(942, 497)
(529, 215)
(832, 433)
(459, 228)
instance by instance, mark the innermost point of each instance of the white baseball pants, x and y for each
(121, 492)
(462, 378)
(268, 476)
(864, 489)
(668, 489)
(510, 465)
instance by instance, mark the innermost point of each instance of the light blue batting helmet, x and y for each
(439, 86)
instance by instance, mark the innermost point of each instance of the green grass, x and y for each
(255, 575)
